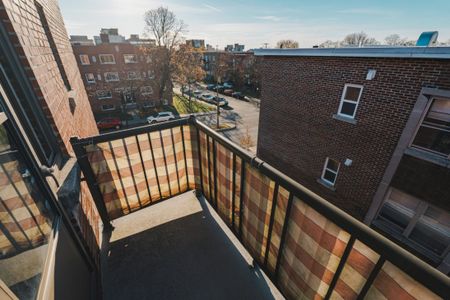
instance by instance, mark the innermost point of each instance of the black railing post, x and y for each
(215, 172)
(97, 196)
(199, 154)
(272, 218)
(283, 236)
(165, 163)
(241, 197)
(176, 160)
(340, 267)
(154, 164)
(184, 155)
(373, 275)
(143, 169)
(208, 155)
(233, 196)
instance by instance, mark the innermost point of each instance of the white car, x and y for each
(161, 117)
(207, 98)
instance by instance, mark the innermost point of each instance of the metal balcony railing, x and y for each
(307, 246)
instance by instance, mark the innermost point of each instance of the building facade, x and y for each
(43, 207)
(368, 130)
(119, 76)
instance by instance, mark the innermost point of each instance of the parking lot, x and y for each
(244, 114)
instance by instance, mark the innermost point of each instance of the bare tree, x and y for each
(396, 40)
(167, 30)
(330, 44)
(358, 39)
(287, 44)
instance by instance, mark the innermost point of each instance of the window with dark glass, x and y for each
(330, 171)
(433, 134)
(104, 94)
(349, 101)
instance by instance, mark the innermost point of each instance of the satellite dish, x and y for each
(427, 39)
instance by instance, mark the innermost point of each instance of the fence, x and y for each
(308, 247)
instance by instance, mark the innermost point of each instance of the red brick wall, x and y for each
(27, 34)
(297, 131)
(118, 50)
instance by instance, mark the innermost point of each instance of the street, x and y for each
(245, 115)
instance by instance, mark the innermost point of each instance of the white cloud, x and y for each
(210, 7)
(268, 18)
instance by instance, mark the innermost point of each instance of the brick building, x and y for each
(119, 75)
(368, 130)
(43, 103)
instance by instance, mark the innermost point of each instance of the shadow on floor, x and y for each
(187, 258)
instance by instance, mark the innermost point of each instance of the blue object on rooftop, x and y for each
(427, 38)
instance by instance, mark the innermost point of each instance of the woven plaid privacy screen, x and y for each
(263, 213)
(135, 171)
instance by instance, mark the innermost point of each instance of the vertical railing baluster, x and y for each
(88, 173)
(209, 170)
(17, 223)
(373, 275)
(165, 162)
(340, 267)
(143, 169)
(215, 171)
(176, 160)
(233, 196)
(132, 172)
(283, 235)
(154, 164)
(272, 218)
(120, 176)
(9, 237)
(241, 197)
(199, 150)
(185, 158)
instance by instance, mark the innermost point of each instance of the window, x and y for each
(99, 77)
(94, 59)
(130, 58)
(148, 59)
(107, 59)
(84, 59)
(90, 78)
(349, 101)
(434, 132)
(104, 94)
(146, 90)
(422, 226)
(151, 74)
(330, 171)
(111, 76)
(106, 107)
(133, 75)
(148, 104)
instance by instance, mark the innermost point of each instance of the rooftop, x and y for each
(393, 52)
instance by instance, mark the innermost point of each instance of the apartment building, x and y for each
(47, 245)
(368, 130)
(120, 75)
(196, 43)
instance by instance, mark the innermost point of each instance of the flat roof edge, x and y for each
(388, 52)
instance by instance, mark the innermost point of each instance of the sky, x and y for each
(254, 23)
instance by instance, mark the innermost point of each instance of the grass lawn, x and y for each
(181, 104)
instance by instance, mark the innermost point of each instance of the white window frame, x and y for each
(144, 93)
(133, 62)
(101, 98)
(94, 59)
(137, 73)
(322, 177)
(107, 63)
(87, 78)
(350, 101)
(151, 74)
(114, 80)
(113, 107)
(81, 59)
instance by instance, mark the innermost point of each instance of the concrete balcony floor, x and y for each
(179, 249)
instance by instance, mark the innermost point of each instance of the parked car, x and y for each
(227, 85)
(210, 87)
(219, 88)
(197, 93)
(207, 97)
(222, 101)
(237, 95)
(108, 123)
(228, 92)
(161, 117)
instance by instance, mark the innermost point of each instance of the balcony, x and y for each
(250, 231)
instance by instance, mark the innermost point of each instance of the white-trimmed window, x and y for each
(330, 171)
(90, 78)
(111, 76)
(106, 107)
(151, 74)
(433, 134)
(94, 58)
(104, 94)
(350, 100)
(130, 58)
(148, 104)
(99, 77)
(423, 226)
(106, 59)
(146, 90)
(134, 75)
(84, 59)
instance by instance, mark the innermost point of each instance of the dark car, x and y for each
(228, 92)
(210, 87)
(108, 123)
(222, 101)
(237, 95)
